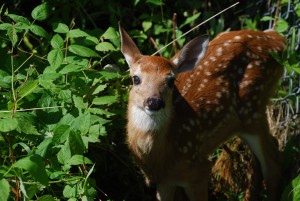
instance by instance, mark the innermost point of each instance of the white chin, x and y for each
(151, 112)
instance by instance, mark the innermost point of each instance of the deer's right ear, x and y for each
(128, 47)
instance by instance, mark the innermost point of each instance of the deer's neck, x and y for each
(146, 133)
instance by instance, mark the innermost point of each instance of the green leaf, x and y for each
(281, 25)
(8, 124)
(65, 153)
(5, 26)
(82, 51)
(76, 144)
(18, 18)
(155, 2)
(110, 33)
(266, 18)
(61, 133)
(79, 103)
(70, 191)
(26, 125)
(105, 47)
(26, 89)
(55, 58)
(46, 198)
(57, 41)
(105, 100)
(42, 148)
(76, 33)
(82, 123)
(71, 68)
(47, 79)
(146, 25)
(78, 160)
(292, 191)
(35, 166)
(12, 35)
(40, 12)
(4, 189)
(190, 20)
(60, 28)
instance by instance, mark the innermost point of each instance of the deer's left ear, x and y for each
(128, 47)
(190, 55)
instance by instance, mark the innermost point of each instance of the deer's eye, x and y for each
(136, 80)
(171, 82)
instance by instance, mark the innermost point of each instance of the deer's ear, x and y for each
(128, 47)
(190, 55)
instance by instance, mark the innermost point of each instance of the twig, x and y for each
(276, 14)
(32, 109)
(175, 44)
(155, 45)
(196, 27)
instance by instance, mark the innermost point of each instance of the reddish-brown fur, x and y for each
(225, 95)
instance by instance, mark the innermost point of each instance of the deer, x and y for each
(181, 109)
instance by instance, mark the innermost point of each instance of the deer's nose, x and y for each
(154, 103)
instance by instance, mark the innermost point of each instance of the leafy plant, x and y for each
(53, 105)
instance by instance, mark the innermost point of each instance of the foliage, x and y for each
(64, 85)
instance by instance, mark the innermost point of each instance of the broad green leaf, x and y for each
(78, 160)
(40, 12)
(65, 153)
(105, 47)
(76, 33)
(99, 88)
(83, 51)
(18, 18)
(35, 166)
(79, 103)
(12, 35)
(60, 28)
(8, 124)
(47, 79)
(82, 123)
(27, 125)
(26, 89)
(70, 191)
(61, 133)
(4, 189)
(42, 148)
(105, 100)
(57, 41)
(281, 25)
(91, 40)
(292, 191)
(109, 75)
(46, 198)
(55, 57)
(110, 33)
(71, 68)
(75, 143)
(146, 25)
(5, 26)
(20, 26)
(77, 60)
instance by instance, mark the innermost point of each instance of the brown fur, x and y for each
(225, 95)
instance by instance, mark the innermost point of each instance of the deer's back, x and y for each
(230, 87)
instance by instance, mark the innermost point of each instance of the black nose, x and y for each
(154, 103)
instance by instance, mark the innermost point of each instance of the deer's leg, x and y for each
(264, 146)
(197, 188)
(165, 192)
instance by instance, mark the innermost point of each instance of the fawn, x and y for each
(181, 109)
